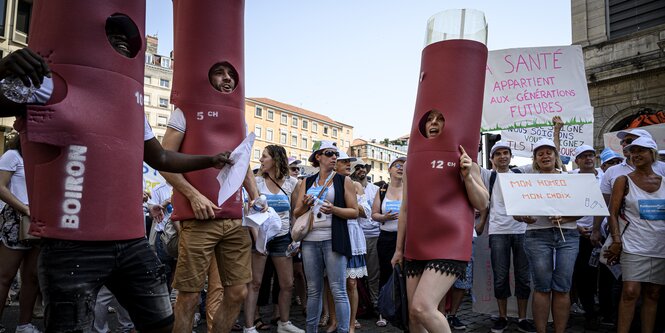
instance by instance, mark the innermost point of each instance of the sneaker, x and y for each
(249, 330)
(577, 309)
(526, 326)
(288, 327)
(455, 323)
(499, 325)
(27, 328)
(197, 319)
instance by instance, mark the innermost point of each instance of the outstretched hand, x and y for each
(26, 65)
(464, 162)
(222, 159)
(557, 122)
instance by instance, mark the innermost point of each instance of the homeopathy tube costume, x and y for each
(440, 217)
(208, 32)
(83, 149)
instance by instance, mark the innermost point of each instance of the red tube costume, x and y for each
(439, 215)
(208, 32)
(83, 150)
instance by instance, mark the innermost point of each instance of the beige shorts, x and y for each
(639, 268)
(227, 239)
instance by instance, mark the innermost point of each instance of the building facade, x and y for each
(624, 56)
(157, 82)
(377, 155)
(294, 128)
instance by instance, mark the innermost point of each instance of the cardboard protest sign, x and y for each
(552, 194)
(521, 140)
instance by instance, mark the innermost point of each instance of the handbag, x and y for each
(392, 303)
(24, 228)
(305, 222)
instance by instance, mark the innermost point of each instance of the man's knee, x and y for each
(235, 294)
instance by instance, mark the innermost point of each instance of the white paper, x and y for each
(230, 178)
(268, 226)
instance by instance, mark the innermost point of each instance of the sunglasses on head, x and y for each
(330, 153)
(627, 141)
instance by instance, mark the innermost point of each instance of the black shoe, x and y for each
(500, 325)
(455, 323)
(526, 326)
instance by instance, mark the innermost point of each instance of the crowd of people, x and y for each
(207, 256)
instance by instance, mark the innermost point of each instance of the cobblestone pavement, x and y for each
(475, 322)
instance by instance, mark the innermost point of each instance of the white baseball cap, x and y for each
(403, 158)
(634, 131)
(345, 156)
(544, 142)
(293, 161)
(499, 145)
(319, 146)
(643, 142)
(581, 149)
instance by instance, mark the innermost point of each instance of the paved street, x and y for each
(476, 322)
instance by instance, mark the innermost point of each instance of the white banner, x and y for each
(521, 140)
(526, 87)
(151, 177)
(562, 194)
(657, 133)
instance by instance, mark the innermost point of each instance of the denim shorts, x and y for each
(71, 274)
(551, 259)
(277, 246)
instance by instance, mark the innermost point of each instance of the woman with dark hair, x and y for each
(327, 246)
(551, 244)
(275, 183)
(15, 252)
(637, 227)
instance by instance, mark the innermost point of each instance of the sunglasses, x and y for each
(399, 166)
(627, 141)
(330, 153)
(294, 169)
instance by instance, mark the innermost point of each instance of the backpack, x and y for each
(392, 302)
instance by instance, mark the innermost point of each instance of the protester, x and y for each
(327, 246)
(429, 280)
(298, 272)
(385, 210)
(275, 183)
(637, 229)
(506, 236)
(14, 251)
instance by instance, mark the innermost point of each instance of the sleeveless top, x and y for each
(645, 235)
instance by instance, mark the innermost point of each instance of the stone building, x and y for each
(624, 56)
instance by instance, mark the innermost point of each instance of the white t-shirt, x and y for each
(644, 236)
(369, 226)
(12, 161)
(178, 122)
(500, 223)
(279, 201)
(615, 171)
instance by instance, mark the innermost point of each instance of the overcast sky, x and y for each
(358, 61)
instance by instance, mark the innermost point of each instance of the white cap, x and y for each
(293, 161)
(634, 131)
(581, 149)
(499, 145)
(661, 152)
(345, 156)
(544, 142)
(319, 146)
(403, 158)
(643, 142)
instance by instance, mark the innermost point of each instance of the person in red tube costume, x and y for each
(80, 125)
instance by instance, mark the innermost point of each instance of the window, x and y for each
(148, 58)
(163, 102)
(3, 12)
(315, 127)
(334, 132)
(284, 120)
(166, 62)
(146, 99)
(305, 123)
(627, 17)
(258, 112)
(294, 121)
(162, 120)
(304, 143)
(325, 130)
(257, 154)
(294, 140)
(347, 131)
(271, 114)
(164, 83)
(146, 79)
(257, 131)
(23, 13)
(282, 138)
(269, 134)
(380, 166)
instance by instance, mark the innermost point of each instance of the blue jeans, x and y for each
(501, 247)
(551, 259)
(318, 257)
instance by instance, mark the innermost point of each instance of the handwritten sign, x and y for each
(552, 194)
(522, 140)
(526, 87)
